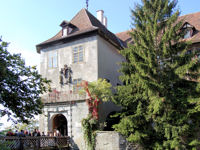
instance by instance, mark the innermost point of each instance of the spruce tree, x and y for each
(160, 97)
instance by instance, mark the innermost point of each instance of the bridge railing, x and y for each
(23, 143)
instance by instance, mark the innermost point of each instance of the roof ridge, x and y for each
(124, 31)
(98, 24)
(90, 14)
(85, 11)
(190, 14)
(76, 15)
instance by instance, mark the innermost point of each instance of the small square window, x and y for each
(77, 85)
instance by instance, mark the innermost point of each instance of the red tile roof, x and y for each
(193, 19)
(124, 36)
(85, 22)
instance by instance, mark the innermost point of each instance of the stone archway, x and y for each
(60, 124)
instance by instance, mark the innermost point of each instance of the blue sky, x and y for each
(25, 23)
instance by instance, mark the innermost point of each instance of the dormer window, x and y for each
(188, 29)
(67, 28)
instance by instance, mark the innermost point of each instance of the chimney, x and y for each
(105, 21)
(101, 17)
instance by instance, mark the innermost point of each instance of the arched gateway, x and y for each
(60, 124)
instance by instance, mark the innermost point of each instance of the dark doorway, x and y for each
(110, 121)
(60, 124)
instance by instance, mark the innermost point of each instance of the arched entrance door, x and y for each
(60, 124)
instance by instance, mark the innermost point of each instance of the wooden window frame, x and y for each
(77, 85)
(78, 53)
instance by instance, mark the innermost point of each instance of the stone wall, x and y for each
(110, 140)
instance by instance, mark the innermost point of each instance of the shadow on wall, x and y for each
(111, 120)
(73, 145)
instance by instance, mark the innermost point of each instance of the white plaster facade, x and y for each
(86, 69)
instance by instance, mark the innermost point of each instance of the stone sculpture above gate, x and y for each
(66, 75)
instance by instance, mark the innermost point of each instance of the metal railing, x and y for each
(33, 143)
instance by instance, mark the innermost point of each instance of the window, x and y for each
(188, 30)
(187, 34)
(65, 31)
(78, 54)
(52, 60)
(77, 85)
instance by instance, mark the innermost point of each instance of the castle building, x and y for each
(84, 49)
